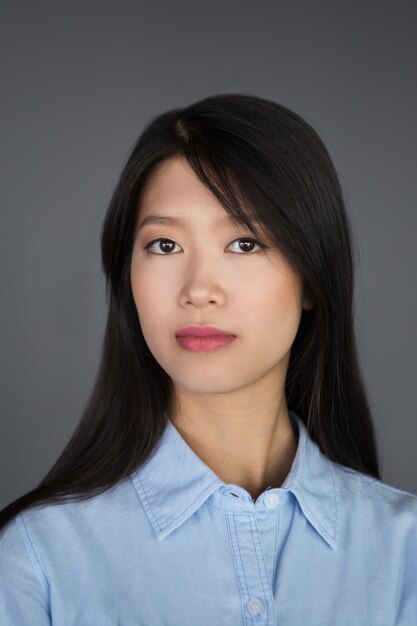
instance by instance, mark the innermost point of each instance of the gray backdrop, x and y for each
(79, 80)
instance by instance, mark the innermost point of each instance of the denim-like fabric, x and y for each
(174, 545)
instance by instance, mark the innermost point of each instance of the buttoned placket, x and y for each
(251, 566)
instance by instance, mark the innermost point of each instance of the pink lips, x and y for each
(202, 331)
(203, 338)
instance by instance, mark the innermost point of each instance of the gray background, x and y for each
(79, 80)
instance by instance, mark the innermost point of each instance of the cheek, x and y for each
(275, 312)
(153, 300)
(149, 288)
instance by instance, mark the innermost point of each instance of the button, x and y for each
(271, 500)
(255, 606)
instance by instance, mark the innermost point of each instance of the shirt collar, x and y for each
(174, 482)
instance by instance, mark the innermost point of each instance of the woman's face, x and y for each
(204, 275)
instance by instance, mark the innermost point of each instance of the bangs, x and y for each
(224, 181)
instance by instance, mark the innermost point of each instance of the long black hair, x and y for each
(263, 162)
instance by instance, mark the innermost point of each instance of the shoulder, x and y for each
(24, 589)
(354, 484)
(43, 524)
(377, 510)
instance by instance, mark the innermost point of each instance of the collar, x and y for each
(174, 482)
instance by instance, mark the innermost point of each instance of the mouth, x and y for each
(204, 344)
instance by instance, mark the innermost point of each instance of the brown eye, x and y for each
(247, 244)
(166, 245)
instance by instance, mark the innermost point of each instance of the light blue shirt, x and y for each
(174, 545)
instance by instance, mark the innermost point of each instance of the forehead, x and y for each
(174, 177)
(174, 195)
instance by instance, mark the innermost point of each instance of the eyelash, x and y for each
(258, 243)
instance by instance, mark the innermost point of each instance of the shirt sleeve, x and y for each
(23, 587)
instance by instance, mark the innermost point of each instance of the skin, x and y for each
(230, 404)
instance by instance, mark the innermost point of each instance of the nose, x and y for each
(203, 283)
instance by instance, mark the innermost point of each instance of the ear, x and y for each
(308, 304)
(308, 300)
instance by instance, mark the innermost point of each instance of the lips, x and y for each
(205, 344)
(203, 331)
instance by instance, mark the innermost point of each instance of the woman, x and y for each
(225, 469)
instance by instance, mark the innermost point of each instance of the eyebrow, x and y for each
(178, 221)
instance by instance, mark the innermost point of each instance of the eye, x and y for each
(150, 244)
(248, 241)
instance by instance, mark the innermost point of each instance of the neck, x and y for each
(253, 449)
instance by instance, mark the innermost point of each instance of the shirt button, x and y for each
(255, 606)
(271, 501)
